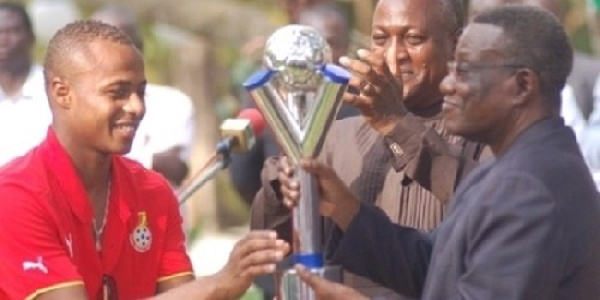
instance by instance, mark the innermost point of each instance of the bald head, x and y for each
(294, 8)
(320, 14)
(329, 20)
(122, 18)
(556, 7)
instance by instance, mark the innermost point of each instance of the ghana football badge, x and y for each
(141, 237)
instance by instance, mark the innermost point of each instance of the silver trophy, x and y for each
(299, 93)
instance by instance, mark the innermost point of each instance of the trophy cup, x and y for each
(299, 93)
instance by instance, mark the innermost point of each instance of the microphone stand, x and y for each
(217, 162)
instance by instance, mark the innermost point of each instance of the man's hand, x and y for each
(327, 290)
(285, 176)
(254, 255)
(380, 95)
(337, 201)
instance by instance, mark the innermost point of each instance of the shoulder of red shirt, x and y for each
(25, 172)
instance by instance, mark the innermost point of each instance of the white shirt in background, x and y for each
(571, 113)
(590, 143)
(169, 122)
(24, 119)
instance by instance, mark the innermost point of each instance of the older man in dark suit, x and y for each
(523, 225)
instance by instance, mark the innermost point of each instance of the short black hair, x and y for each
(75, 37)
(19, 9)
(535, 39)
(454, 14)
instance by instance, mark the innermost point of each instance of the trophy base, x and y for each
(291, 287)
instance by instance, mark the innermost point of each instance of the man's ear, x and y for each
(527, 83)
(60, 92)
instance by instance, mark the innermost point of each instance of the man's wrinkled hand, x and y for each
(285, 176)
(379, 94)
(337, 201)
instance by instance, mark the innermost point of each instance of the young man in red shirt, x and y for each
(81, 222)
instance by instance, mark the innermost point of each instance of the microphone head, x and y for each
(243, 130)
(257, 121)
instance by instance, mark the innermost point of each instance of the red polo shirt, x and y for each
(46, 233)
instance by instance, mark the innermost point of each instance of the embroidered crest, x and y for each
(141, 237)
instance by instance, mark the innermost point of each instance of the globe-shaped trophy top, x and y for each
(297, 53)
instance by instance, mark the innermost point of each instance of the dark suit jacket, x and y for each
(521, 226)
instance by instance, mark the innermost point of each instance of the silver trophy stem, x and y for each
(307, 226)
(307, 233)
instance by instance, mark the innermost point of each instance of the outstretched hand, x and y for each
(254, 255)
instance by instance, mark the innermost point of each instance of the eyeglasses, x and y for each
(462, 70)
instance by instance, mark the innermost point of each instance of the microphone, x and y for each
(239, 136)
(241, 133)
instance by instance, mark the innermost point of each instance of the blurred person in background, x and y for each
(24, 112)
(251, 51)
(295, 8)
(166, 136)
(332, 23)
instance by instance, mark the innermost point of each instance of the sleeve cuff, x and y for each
(57, 286)
(268, 211)
(169, 277)
(359, 229)
(404, 140)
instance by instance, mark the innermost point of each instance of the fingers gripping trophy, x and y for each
(299, 93)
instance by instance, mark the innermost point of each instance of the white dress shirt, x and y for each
(571, 113)
(590, 142)
(24, 118)
(169, 122)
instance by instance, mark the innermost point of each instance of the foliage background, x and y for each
(227, 26)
